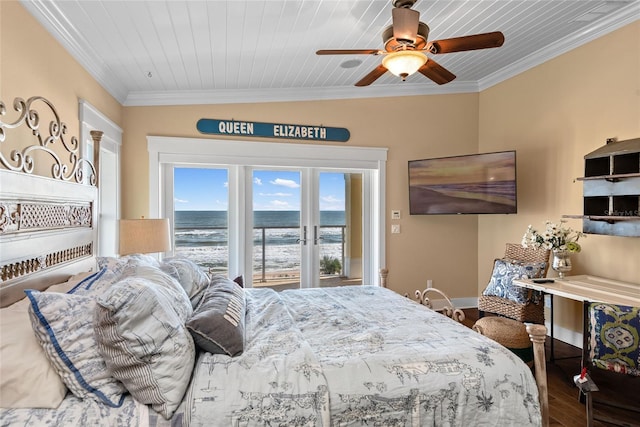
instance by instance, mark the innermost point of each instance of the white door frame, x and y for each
(108, 173)
(167, 151)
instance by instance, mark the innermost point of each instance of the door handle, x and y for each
(304, 236)
(316, 238)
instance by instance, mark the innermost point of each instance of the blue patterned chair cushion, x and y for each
(505, 271)
(613, 337)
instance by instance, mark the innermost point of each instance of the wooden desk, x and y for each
(585, 288)
(588, 288)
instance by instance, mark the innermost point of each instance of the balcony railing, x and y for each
(263, 240)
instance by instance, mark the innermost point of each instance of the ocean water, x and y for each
(202, 236)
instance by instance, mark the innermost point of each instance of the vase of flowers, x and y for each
(559, 239)
(561, 262)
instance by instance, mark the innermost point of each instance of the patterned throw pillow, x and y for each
(217, 324)
(614, 342)
(96, 283)
(505, 271)
(188, 274)
(116, 265)
(27, 378)
(144, 342)
(170, 286)
(63, 325)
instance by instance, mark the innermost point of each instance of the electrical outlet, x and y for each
(395, 228)
(395, 214)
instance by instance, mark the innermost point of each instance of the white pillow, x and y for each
(63, 324)
(170, 286)
(188, 274)
(27, 379)
(145, 343)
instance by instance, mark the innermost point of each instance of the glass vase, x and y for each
(561, 262)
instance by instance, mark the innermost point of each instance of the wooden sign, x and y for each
(272, 130)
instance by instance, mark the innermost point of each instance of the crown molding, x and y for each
(617, 20)
(56, 23)
(245, 96)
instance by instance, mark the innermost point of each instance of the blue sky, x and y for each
(207, 189)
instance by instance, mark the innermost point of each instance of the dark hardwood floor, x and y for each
(564, 407)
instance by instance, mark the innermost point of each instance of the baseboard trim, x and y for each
(565, 335)
(470, 302)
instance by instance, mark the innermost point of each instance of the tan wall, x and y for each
(553, 115)
(33, 63)
(412, 127)
(354, 249)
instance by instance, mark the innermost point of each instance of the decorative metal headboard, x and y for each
(23, 160)
(47, 223)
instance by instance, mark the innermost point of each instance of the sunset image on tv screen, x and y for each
(479, 183)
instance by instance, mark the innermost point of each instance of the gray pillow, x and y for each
(144, 342)
(217, 324)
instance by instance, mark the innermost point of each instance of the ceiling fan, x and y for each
(406, 45)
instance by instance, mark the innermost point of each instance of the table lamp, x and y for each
(144, 236)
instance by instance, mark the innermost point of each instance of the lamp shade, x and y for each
(404, 63)
(143, 236)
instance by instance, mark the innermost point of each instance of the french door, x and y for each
(285, 216)
(307, 227)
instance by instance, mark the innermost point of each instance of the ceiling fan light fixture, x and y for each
(404, 63)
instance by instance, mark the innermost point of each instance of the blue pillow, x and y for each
(505, 271)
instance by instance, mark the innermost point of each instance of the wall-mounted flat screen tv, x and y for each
(471, 184)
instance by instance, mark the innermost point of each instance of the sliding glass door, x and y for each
(276, 240)
(200, 216)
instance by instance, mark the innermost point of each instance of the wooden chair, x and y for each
(529, 312)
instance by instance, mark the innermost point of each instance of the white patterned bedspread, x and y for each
(352, 356)
(359, 356)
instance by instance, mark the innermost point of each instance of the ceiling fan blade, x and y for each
(372, 76)
(349, 52)
(460, 44)
(405, 23)
(436, 72)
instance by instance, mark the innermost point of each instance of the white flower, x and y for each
(554, 237)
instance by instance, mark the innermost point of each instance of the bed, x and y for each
(132, 341)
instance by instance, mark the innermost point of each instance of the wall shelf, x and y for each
(612, 178)
(611, 189)
(610, 218)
